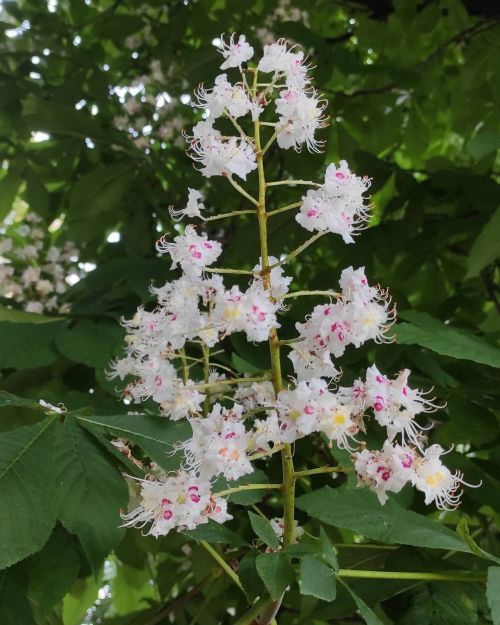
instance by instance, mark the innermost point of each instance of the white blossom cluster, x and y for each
(283, 12)
(234, 420)
(150, 115)
(33, 274)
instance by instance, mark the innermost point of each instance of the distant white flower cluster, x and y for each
(33, 274)
(285, 11)
(150, 115)
(234, 419)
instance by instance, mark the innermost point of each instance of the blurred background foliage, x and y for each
(94, 96)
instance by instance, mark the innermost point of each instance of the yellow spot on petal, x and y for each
(338, 418)
(434, 479)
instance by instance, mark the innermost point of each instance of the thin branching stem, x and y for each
(231, 214)
(289, 207)
(223, 564)
(241, 190)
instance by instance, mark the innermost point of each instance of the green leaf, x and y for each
(100, 189)
(247, 572)
(493, 593)
(20, 316)
(242, 366)
(443, 604)
(27, 513)
(329, 552)
(15, 608)
(360, 511)
(317, 579)
(27, 346)
(275, 571)
(59, 118)
(81, 597)
(442, 339)
(463, 532)
(89, 343)
(155, 435)
(91, 492)
(9, 186)
(365, 611)
(36, 194)
(264, 530)
(486, 248)
(248, 497)
(483, 144)
(7, 399)
(214, 532)
(54, 569)
(132, 590)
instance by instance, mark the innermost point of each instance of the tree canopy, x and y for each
(96, 95)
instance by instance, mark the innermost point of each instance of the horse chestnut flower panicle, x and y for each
(236, 418)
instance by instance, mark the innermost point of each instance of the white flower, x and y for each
(338, 206)
(224, 97)
(235, 52)
(278, 525)
(5, 245)
(260, 314)
(395, 405)
(219, 444)
(193, 208)
(44, 287)
(221, 157)
(436, 481)
(254, 395)
(251, 312)
(338, 420)
(300, 115)
(266, 431)
(34, 307)
(279, 282)
(193, 252)
(298, 412)
(279, 59)
(181, 501)
(312, 363)
(387, 470)
(186, 401)
(353, 319)
(31, 275)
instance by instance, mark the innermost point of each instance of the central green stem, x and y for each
(274, 342)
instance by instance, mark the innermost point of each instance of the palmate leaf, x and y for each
(155, 435)
(264, 530)
(431, 333)
(89, 343)
(27, 474)
(364, 610)
(214, 532)
(26, 345)
(132, 590)
(81, 597)
(7, 399)
(275, 571)
(443, 604)
(317, 579)
(90, 491)
(359, 510)
(53, 570)
(15, 608)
